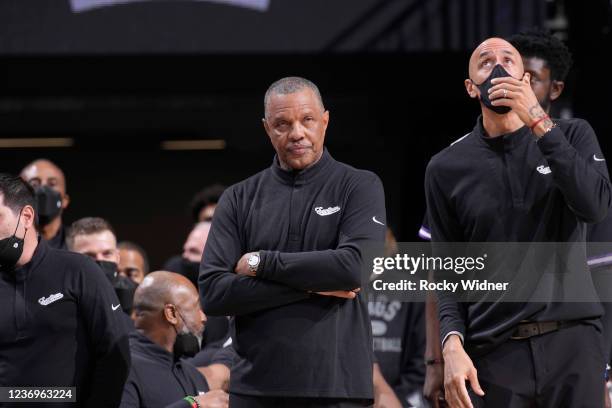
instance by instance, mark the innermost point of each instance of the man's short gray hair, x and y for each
(290, 85)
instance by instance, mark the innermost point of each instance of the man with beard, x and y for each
(59, 317)
(284, 257)
(49, 183)
(524, 352)
(169, 325)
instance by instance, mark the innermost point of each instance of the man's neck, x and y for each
(30, 243)
(50, 230)
(496, 125)
(161, 339)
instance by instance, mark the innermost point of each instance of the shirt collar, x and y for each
(305, 176)
(23, 272)
(507, 141)
(144, 345)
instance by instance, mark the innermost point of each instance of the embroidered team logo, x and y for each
(48, 300)
(327, 211)
(543, 169)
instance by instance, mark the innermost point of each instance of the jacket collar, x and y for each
(505, 142)
(305, 176)
(22, 273)
(143, 345)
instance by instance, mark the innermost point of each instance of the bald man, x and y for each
(49, 183)
(169, 325)
(518, 177)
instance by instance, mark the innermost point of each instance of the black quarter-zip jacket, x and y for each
(61, 325)
(156, 380)
(310, 227)
(514, 189)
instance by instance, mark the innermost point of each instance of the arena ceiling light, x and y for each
(31, 142)
(203, 144)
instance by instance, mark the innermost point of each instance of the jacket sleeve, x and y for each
(108, 335)
(222, 291)
(444, 227)
(579, 170)
(131, 396)
(363, 221)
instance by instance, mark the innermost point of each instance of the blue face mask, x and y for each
(498, 72)
(11, 249)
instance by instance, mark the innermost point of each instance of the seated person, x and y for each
(169, 325)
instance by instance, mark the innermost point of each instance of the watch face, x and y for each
(253, 260)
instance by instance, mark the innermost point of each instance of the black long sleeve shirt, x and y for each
(514, 189)
(62, 326)
(310, 227)
(158, 381)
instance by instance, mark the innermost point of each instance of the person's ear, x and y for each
(65, 201)
(325, 120)
(28, 217)
(471, 88)
(266, 126)
(556, 89)
(170, 314)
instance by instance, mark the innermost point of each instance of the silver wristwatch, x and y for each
(253, 262)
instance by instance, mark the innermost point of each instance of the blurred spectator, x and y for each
(49, 183)
(205, 201)
(398, 331)
(170, 325)
(96, 238)
(133, 261)
(188, 264)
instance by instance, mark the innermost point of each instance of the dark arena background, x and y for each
(143, 103)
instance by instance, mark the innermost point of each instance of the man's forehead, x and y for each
(131, 256)
(102, 237)
(492, 45)
(303, 100)
(43, 169)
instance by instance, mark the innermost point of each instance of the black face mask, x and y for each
(109, 268)
(11, 249)
(124, 287)
(186, 344)
(498, 72)
(190, 270)
(48, 204)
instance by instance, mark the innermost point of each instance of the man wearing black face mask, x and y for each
(49, 183)
(188, 264)
(58, 314)
(548, 61)
(170, 325)
(96, 238)
(518, 177)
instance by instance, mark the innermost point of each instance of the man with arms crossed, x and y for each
(284, 257)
